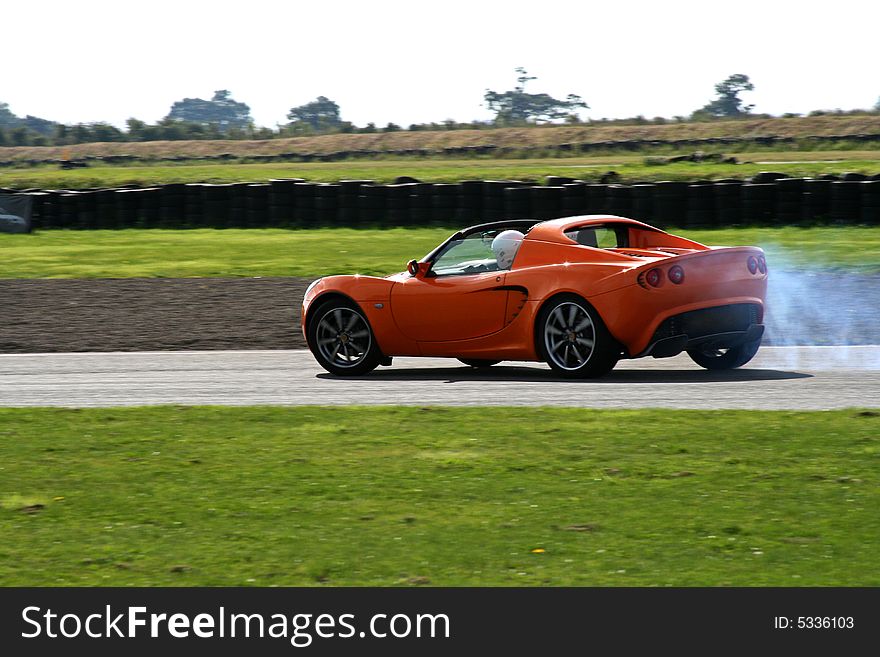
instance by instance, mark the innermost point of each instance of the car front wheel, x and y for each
(341, 339)
(572, 338)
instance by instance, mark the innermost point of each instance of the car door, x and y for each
(452, 307)
(460, 298)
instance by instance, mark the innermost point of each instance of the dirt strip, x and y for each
(156, 314)
(147, 314)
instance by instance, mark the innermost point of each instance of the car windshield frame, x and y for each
(471, 254)
(522, 225)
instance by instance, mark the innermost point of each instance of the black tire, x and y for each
(341, 339)
(567, 327)
(479, 362)
(725, 359)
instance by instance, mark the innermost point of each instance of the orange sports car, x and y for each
(578, 293)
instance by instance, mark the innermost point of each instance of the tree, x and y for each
(136, 129)
(20, 136)
(172, 129)
(106, 132)
(81, 134)
(728, 104)
(61, 134)
(221, 112)
(320, 115)
(7, 118)
(516, 107)
(36, 124)
(263, 133)
(877, 105)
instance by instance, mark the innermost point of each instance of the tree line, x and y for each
(223, 117)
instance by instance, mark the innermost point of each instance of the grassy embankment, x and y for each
(547, 137)
(309, 496)
(278, 252)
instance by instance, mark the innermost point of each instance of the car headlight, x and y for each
(311, 285)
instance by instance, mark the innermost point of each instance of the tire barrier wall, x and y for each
(294, 203)
(808, 141)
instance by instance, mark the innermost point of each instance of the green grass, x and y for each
(206, 252)
(632, 168)
(309, 496)
(279, 252)
(826, 247)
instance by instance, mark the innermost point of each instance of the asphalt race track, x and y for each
(778, 378)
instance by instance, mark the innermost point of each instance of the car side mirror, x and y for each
(416, 268)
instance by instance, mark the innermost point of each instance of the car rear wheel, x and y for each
(341, 339)
(479, 362)
(572, 338)
(725, 359)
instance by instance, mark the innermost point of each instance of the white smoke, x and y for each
(822, 307)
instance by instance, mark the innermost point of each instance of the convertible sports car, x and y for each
(579, 293)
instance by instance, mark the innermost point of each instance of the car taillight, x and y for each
(676, 274)
(654, 278)
(753, 264)
(762, 265)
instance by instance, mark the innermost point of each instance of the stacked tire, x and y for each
(443, 204)
(493, 202)
(670, 203)
(397, 205)
(728, 202)
(758, 203)
(304, 204)
(349, 201)
(546, 202)
(700, 205)
(643, 203)
(789, 201)
(870, 202)
(281, 202)
(816, 201)
(574, 198)
(846, 201)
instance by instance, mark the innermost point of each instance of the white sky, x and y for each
(410, 62)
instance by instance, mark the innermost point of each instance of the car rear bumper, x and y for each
(718, 327)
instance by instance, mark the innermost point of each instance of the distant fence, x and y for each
(295, 203)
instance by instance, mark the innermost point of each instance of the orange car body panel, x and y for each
(492, 315)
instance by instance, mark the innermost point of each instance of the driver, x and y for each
(505, 246)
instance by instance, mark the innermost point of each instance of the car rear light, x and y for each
(676, 274)
(762, 264)
(753, 265)
(654, 278)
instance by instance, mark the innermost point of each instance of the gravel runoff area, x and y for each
(62, 315)
(150, 314)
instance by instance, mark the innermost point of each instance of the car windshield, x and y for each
(470, 255)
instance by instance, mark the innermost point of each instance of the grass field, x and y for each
(278, 252)
(309, 496)
(631, 168)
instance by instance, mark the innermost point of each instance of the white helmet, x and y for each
(505, 246)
